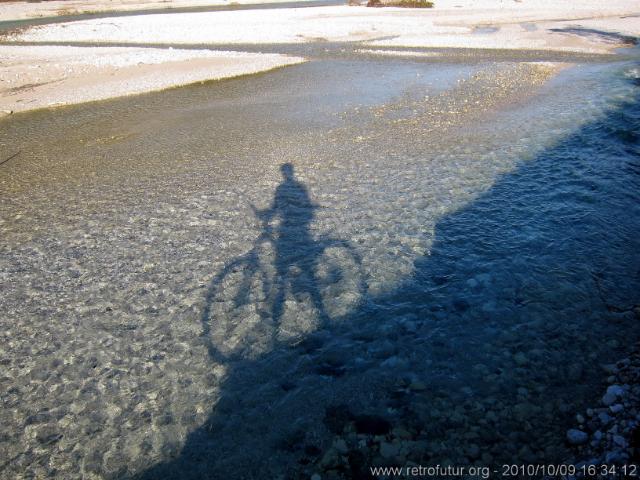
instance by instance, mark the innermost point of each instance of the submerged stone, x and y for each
(577, 437)
(614, 392)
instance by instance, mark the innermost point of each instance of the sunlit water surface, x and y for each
(454, 249)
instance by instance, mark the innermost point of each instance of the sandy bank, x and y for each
(562, 25)
(40, 76)
(28, 10)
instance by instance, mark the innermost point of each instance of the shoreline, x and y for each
(582, 31)
(17, 11)
(46, 76)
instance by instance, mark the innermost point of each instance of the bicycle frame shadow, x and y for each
(292, 270)
(282, 404)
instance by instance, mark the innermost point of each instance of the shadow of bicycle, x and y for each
(439, 357)
(289, 284)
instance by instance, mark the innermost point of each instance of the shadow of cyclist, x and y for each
(248, 298)
(296, 251)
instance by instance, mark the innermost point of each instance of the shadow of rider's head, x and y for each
(287, 171)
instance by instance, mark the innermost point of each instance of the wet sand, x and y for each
(47, 76)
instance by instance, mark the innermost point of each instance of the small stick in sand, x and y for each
(12, 156)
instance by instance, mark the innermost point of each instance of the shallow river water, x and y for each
(350, 262)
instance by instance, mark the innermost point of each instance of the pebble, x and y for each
(613, 447)
(418, 386)
(617, 408)
(614, 457)
(520, 359)
(604, 418)
(341, 446)
(614, 392)
(577, 437)
(619, 441)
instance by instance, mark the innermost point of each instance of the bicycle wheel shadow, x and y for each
(280, 411)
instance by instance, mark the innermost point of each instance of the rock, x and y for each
(619, 441)
(614, 392)
(614, 457)
(617, 408)
(604, 418)
(330, 459)
(316, 476)
(41, 417)
(341, 446)
(417, 386)
(520, 359)
(394, 362)
(577, 437)
(389, 450)
(48, 438)
(410, 326)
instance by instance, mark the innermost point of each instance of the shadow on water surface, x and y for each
(495, 342)
(246, 301)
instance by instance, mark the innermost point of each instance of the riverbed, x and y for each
(354, 261)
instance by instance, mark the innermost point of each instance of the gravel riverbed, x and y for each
(430, 281)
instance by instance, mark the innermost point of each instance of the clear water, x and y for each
(454, 251)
